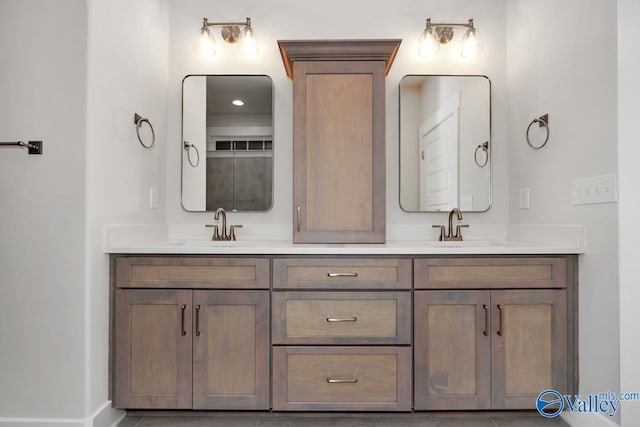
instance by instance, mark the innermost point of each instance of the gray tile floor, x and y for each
(348, 420)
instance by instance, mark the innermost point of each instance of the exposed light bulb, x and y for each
(471, 44)
(207, 44)
(429, 44)
(248, 43)
(238, 102)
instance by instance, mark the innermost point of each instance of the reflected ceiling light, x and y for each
(436, 34)
(238, 102)
(231, 32)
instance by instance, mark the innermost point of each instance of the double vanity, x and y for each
(340, 317)
(396, 327)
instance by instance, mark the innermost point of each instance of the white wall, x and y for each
(629, 208)
(334, 19)
(127, 74)
(42, 91)
(560, 65)
(73, 74)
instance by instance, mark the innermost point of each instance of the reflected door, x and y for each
(438, 159)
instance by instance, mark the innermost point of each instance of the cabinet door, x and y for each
(339, 152)
(153, 349)
(529, 346)
(451, 350)
(231, 350)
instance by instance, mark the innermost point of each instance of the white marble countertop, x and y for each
(268, 247)
(162, 240)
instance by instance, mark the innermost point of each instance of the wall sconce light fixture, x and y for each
(436, 34)
(231, 32)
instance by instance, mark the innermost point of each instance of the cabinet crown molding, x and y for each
(338, 50)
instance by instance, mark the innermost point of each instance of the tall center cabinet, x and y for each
(338, 138)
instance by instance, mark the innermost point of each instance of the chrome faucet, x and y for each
(216, 231)
(221, 214)
(449, 235)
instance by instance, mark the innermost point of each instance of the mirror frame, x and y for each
(489, 160)
(183, 151)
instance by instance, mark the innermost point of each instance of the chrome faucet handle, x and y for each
(458, 234)
(216, 231)
(232, 231)
(442, 232)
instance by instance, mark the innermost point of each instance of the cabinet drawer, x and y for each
(351, 273)
(490, 273)
(342, 378)
(192, 272)
(341, 318)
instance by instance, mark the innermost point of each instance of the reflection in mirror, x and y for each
(227, 143)
(445, 143)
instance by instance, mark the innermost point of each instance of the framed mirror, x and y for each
(227, 143)
(445, 143)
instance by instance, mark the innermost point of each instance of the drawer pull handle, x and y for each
(331, 380)
(486, 320)
(184, 307)
(342, 319)
(342, 274)
(500, 320)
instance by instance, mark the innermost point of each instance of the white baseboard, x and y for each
(105, 416)
(588, 420)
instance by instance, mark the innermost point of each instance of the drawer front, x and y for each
(341, 317)
(192, 272)
(300, 273)
(342, 378)
(490, 273)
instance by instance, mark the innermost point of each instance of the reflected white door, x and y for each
(194, 131)
(438, 158)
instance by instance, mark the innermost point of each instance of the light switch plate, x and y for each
(153, 197)
(595, 189)
(524, 198)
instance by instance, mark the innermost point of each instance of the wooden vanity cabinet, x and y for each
(190, 348)
(341, 334)
(339, 146)
(491, 348)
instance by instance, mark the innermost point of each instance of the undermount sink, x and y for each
(468, 244)
(207, 243)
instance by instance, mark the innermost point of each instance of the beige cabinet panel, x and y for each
(339, 150)
(342, 378)
(231, 350)
(452, 350)
(341, 317)
(153, 349)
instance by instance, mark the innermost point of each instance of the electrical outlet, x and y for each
(595, 189)
(524, 198)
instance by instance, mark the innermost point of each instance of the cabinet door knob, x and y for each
(298, 218)
(499, 320)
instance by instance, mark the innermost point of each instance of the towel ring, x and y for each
(543, 121)
(188, 146)
(138, 120)
(484, 147)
